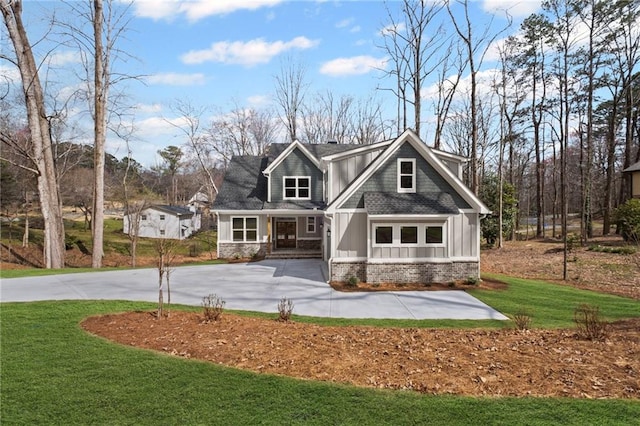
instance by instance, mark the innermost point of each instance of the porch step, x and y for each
(294, 254)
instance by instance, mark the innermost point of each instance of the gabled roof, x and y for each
(173, 210)
(245, 187)
(288, 150)
(409, 136)
(633, 168)
(393, 203)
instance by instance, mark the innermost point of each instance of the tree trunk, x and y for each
(100, 128)
(41, 149)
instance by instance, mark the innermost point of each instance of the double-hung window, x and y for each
(311, 224)
(297, 188)
(406, 175)
(245, 228)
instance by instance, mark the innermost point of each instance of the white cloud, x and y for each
(356, 65)
(63, 58)
(250, 53)
(515, 8)
(259, 100)
(355, 29)
(177, 79)
(10, 73)
(195, 10)
(344, 23)
(149, 108)
(390, 29)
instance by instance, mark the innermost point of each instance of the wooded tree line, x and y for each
(556, 119)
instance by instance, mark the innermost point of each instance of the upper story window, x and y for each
(143, 217)
(297, 188)
(406, 175)
(161, 217)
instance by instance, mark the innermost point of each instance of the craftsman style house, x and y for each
(394, 211)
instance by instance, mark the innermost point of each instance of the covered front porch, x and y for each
(294, 235)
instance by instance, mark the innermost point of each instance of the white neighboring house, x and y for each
(162, 221)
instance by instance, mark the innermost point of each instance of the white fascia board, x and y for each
(284, 154)
(410, 216)
(448, 175)
(450, 156)
(357, 183)
(355, 151)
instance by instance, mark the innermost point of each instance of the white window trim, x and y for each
(311, 224)
(422, 238)
(400, 174)
(444, 235)
(244, 229)
(297, 187)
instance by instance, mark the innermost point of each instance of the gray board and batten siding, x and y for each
(385, 179)
(296, 164)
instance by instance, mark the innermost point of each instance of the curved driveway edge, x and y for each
(257, 286)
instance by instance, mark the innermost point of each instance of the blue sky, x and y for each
(225, 53)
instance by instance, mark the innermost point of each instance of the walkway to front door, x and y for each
(285, 234)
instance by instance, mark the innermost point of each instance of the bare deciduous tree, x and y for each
(40, 149)
(413, 44)
(290, 92)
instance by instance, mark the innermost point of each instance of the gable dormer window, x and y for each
(297, 188)
(406, 175)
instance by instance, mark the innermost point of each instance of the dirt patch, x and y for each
(551, 363)
(592, 270)
(486, 284)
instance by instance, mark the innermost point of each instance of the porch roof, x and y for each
(390, 203)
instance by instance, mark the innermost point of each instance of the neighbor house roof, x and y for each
(392, 203)
(174, 210)
(633, 168)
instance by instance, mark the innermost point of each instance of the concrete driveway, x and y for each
(257, 286)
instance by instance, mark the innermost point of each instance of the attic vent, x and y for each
(332, 142)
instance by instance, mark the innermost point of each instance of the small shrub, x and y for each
(627, 216)
(352, 281)
(236, 256)
(615, 250)
(471, 280)
(212, 307)
(451, 284)
(285, 309)
(522, 320)
(589, 323)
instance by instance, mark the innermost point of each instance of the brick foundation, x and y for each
(235, 250)
(405, 272)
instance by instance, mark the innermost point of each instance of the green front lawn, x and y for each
(55, 373)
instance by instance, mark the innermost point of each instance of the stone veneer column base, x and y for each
(405, 272)
(236, 250)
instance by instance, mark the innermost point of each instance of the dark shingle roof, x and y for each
(244, 186)
(175, 210)
(317, 150)
(377, 203)
(633, 168)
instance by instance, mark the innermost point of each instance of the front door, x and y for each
(286, 234)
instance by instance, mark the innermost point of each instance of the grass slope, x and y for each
(55, 373)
